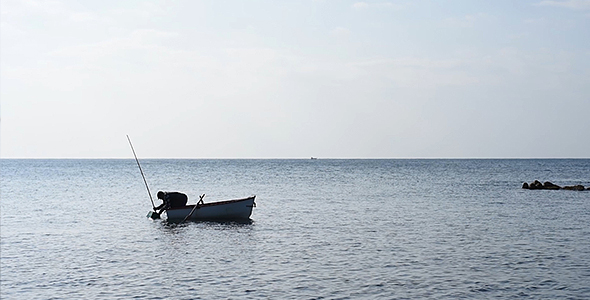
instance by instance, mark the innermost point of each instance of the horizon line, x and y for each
(278, 158)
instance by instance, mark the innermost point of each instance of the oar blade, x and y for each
(153, 215)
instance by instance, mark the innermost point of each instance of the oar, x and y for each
(154, 214)
(193, 210)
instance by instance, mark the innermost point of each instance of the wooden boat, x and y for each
(229, 210)
(239, 209)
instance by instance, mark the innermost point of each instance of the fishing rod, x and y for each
(141, 171)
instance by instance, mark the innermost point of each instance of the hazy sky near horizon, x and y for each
(294, 79)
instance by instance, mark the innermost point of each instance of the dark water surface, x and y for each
(323, 229)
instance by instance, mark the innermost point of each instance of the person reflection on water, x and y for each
(171, 200)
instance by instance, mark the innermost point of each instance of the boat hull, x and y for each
(239, 209)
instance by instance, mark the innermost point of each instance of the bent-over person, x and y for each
(171, 200)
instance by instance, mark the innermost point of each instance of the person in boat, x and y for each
(171, 200)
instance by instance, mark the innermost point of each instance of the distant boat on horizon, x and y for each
(314, 157)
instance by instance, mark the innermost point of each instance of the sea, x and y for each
(322, 229)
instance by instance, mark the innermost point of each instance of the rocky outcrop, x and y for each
(578, 187)
(537, 185)
(550, 186)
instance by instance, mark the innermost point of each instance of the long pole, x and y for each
(141, 171)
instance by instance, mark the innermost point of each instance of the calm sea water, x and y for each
(323, 229)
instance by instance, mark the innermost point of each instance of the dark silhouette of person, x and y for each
(171, 200)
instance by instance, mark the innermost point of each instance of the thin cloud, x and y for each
(534, 21)
(340, 31)
(365, 5)
(359, 5)
(414, 72)
(93, 55)
(571, 4)
(83, 17)
(466, 21)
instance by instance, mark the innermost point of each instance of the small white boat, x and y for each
(233, 210)
(229, 210)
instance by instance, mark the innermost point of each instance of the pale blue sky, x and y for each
(294, 79)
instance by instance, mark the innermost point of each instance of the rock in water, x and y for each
(547, 185)
(578, 187)
(550, 186)
(537, 185)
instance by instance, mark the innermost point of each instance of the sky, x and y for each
(295, 79)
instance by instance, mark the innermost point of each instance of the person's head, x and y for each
(161, 195)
